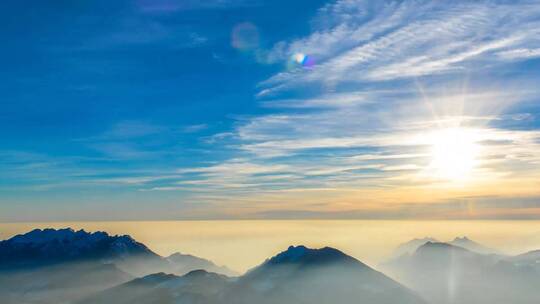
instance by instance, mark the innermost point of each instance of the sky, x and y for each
(239, 109)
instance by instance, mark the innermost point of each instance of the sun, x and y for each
(454, 153)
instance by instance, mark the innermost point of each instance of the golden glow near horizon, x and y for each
(245, 244)
(363, 116)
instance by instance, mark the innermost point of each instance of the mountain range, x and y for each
(79, 267)
(297, 275)
(197, 286)
(444, 273)
(51, 266)
(49, 247)
(463, 242)
(67, 266)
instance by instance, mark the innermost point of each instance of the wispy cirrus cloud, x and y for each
(520, 54)
(400, 39)
(359, 131)
(356, 132)
(353, 135)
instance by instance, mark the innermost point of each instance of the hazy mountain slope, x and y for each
(49, 246)
(528, 258)
(195, 287)
(297, 275)
(184, 263)
(53, 266)
(303, 275)
(411, 246)
(444, 273)
(471, 245)
(139, 290)
(59, 283)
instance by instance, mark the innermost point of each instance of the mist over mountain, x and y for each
(465, 242)
(197, 286)
(68, 266)
(297, 275)
(326, 275)
(49, 246)
(184, 263)
(411, 246)
(531, 258)
(52, 266)
(445, 273)
(59, 283)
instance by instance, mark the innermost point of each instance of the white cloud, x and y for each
(520, 54)
(366, 127)
(400, 39)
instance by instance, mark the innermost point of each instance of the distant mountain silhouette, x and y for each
(184, 263)
(326, 275)
(298, 260)
(297, 275)
(444, 274)
(67, 266)
(197, 286)
(411, 246)
(301, 255)
(49, 246)
(471, 245)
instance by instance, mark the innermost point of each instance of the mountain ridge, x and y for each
(298, 274)
(411, 246)
(444, 273)
(46, 247)
(51, 246)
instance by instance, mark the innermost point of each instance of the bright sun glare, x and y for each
(454, 153)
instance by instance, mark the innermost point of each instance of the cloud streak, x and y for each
(353, 136)
(403, 39)
(391, 74)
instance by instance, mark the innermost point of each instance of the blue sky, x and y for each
(175, 109)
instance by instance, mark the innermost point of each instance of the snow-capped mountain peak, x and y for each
(50, 246)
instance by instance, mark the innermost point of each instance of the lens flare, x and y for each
(301, 60)
(245, 36)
